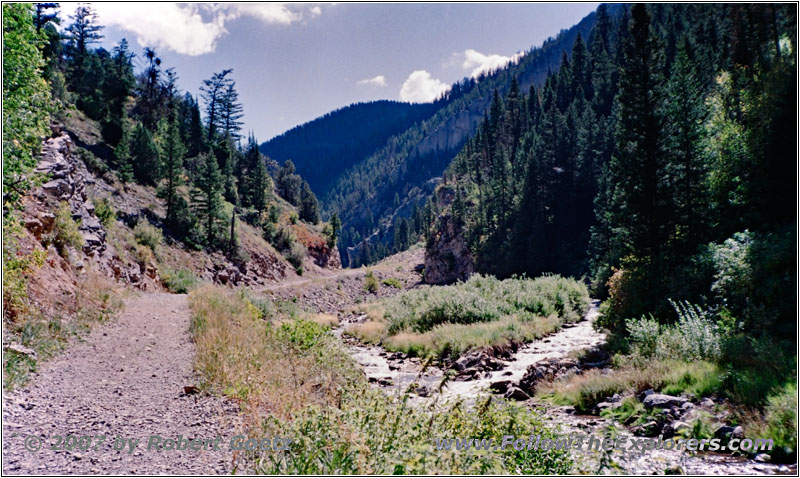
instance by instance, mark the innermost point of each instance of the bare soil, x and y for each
(125, 379)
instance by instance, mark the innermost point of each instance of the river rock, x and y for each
(728, 432)
(658, 400)
(501, 386)
(547, 370)
(516, 394)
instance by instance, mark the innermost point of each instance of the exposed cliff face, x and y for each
(67, 180)
(112, 253)
(447, 256)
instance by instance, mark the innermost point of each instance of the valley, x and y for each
(595, 236)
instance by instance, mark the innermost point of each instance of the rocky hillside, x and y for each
(86, 223)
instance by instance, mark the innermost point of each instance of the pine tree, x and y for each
(289, 184)
(686, 114)
(207, 199)
(145, 157)
(212, 92)
(122, 155)
(335, 229)
(82, 32)
(638, 165)
(172, 152)
(231, 111)
(309, 207)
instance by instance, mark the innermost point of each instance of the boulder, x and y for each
(501, 386)
(659, 400)
(514, 393)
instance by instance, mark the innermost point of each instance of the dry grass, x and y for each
(242, 355)
(448, 321)
(293, 379)
(370, 332)
(673, 377)
(455, 339)
(325, 320)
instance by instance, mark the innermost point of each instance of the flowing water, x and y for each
(395, 373)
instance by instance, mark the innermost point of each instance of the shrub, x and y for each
(338, 423)
(392, 282)
(371, 283)
(147, 235)
(65, 230)
(179, 281)
(694, 337)
(644, 333)
(780, 423)
(295, 256)
(105, 212)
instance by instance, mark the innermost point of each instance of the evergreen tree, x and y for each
(289, 184)
(686, 115)
(144, 156)
(637, 168)
(212, 93)
(172, 152)
(207, 199)
(231, 111)
(122, 155)
(335, 228)
(309, 207)
(82, 32)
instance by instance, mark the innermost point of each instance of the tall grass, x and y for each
(484, 311)
(294, 380)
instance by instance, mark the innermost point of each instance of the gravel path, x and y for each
(125, 379)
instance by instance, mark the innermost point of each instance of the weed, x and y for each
(147, 235)
(392, 282)
(179, 281)
(371, 284)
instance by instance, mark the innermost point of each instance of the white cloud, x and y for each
(480, 63)
(379, 80)
(421, 87)
(189, 29)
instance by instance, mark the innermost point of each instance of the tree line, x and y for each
(658, 161)
(191, 149)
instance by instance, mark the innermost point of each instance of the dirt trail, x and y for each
(125, 379)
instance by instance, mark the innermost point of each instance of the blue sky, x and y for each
(295, 62)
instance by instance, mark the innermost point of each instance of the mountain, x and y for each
(324, 148)
(408, 162)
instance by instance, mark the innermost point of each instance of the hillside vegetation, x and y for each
(323, 149)
(658, 161)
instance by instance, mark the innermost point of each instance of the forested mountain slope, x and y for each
(376, 193)
(323, 149)
(659, 162)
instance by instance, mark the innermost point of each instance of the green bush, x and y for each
(302, 334)
(780, 417)
(179, 281)
(371, 284)
(694, 337)
(147, 235)
(105, 212)
(392, 282)
(485, 299)
(65, 230)
(295, 256)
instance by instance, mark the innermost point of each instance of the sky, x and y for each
(295, 62)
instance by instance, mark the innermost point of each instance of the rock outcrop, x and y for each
(447, 257)
(66, 181)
